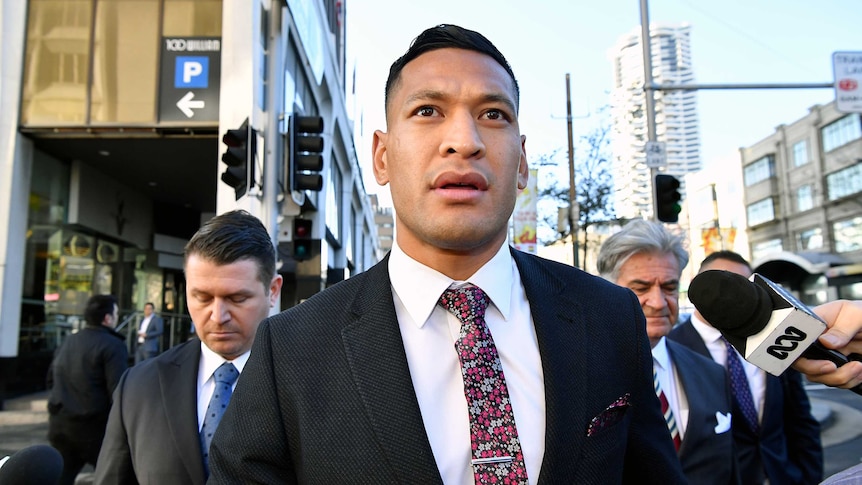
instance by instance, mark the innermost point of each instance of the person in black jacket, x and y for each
(81, 379)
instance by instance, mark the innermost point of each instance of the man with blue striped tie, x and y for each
(166, 409)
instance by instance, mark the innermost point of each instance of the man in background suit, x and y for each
(785, 446)
(362, 383)
(646, 258)
(149, 333)
(160, 405)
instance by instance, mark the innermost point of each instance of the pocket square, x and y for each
(722, 422)
(610, 416)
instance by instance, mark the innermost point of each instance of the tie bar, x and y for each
(491, 460)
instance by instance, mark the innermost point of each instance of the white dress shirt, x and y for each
(670, 384)
(717, 348)
(429, 333)
(144, 324)
(210, 361)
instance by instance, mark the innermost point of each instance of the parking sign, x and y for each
(189, 79)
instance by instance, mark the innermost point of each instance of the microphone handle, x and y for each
(819, 352)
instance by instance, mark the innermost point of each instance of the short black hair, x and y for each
(724, 254)
(235, 236)
(447, 36)
(97, 307)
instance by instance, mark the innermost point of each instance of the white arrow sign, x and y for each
(187, 102)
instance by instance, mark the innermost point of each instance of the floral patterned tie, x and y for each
(497, 456)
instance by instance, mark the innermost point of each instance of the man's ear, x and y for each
(523, 168)
(378, 154)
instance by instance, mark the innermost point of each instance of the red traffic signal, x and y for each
(302, 240)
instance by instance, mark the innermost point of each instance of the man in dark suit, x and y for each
(369, 381)
(83, 374)
(161, 406)
(149, 333)
(646, 258)
(784, 447)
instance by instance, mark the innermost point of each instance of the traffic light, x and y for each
(302, 243)
(239, 157)
(306, 152)
(667, 198)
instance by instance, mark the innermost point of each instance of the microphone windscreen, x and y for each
(730, 302)
(39, 464)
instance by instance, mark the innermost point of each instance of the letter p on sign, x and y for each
(191, 72)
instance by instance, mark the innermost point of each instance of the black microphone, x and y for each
(34, 465)
(767, 325)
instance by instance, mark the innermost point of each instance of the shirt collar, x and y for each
(660, 355)
(419, 287)
(707, 332)
(210, 361)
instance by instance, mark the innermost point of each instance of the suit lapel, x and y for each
(377, 360)
(560, 330)
(178, 383)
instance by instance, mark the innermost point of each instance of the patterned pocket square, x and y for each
(610, 416)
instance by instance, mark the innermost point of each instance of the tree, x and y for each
(593, 182)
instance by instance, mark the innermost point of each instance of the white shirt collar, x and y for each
(419, 287)
(210, 361)
(707, 332)
(660, 355)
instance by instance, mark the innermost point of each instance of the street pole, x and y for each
(649, 98)
(573, 202)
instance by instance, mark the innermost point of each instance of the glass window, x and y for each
(800, 153)
(841, 132)
(765, 248)
(847, 181)
(56, 62)
(759, 170)
(760, 212)
(848, 235)
(810, 239)
(96, 61)
(804, 198)
(125, 61)
(192, 18)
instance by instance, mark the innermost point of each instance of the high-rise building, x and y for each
(675, 114)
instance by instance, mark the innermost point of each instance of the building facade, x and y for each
(803, 203)
(113, 118)
(676, 117)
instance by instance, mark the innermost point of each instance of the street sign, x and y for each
(847, 67)
(189, 79)
(656, 154)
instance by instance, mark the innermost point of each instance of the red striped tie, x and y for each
(665, 410)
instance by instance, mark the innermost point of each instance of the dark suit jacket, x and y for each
(707, 456)
(788, 447)
(152, 434)
(81, 378)
(326, 396)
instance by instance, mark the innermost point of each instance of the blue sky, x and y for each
(733, 41)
